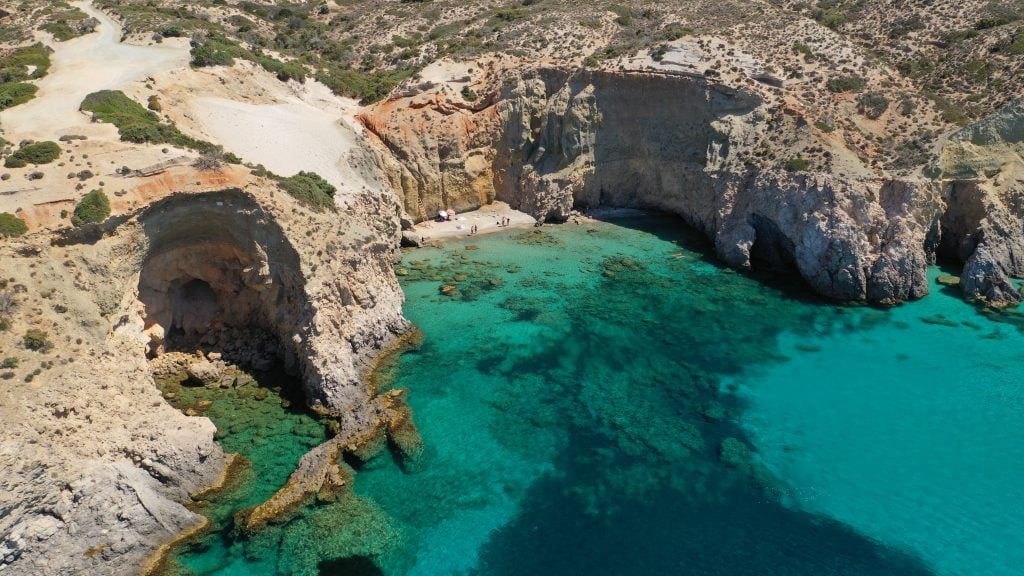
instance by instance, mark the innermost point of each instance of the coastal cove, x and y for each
(390, 288)
(610, 398)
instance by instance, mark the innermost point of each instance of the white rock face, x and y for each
(983, 168)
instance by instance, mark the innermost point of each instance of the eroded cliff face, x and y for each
(95, 467)
(983, 171)
(675, 143)
(324, 288)
(440, 159)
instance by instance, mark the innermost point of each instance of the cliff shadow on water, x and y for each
(230, 330)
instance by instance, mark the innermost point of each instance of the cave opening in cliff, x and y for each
(772, 250)
(194, 308)
(219, 275)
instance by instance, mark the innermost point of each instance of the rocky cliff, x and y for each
(554, 140)
(96, 466)
(983, 169)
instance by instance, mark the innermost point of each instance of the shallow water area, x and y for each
(605, 398)
(263, 420)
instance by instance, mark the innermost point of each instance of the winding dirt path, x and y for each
(97, 61)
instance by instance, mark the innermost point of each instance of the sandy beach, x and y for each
(486, 219)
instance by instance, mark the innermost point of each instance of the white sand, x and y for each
(97, 61)
(486, 220)
(287, 127)
(286, 138)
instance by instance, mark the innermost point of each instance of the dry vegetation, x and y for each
(882, 79)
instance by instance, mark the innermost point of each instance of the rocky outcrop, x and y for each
(94, 465)
(983, 170)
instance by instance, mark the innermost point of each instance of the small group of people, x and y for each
(504, 222)
(473, 229)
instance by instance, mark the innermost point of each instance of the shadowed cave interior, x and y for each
(220, 275)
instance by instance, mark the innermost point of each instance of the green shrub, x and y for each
(907, 106)
(959, 36)
(172, 31)
(949, 111)
(135, 123)
(872, 104)
(153, 103)
(93, 208)
(796, 165)
(61, 30)
(916, 67)
(468, 94)
(674, 32)
(9, 362)
(824, 126)
(623, 14)
(15, 93)
(368, 87)
(986, 23)
(11, 225)
(14, 67)
(851, 83)
(310, 188)
(509, 14)
(1016, 46)
(38, 153)
(38, 340)
(215, 52)
(803, 49)
(835, 13)
(219, 51)
(284, 71)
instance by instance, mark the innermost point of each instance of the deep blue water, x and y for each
(606, 399)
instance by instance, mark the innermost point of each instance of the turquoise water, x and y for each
(606, 399)
(916, 437)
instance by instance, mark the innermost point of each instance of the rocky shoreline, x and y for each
(113, 462)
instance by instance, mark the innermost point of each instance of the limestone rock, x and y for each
(556, 140)
(204, 372)
(95, 465)
(411, 240)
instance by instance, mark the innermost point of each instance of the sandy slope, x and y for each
(286, 136)
(96, 61)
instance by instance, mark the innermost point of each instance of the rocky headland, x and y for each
(112, 462)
